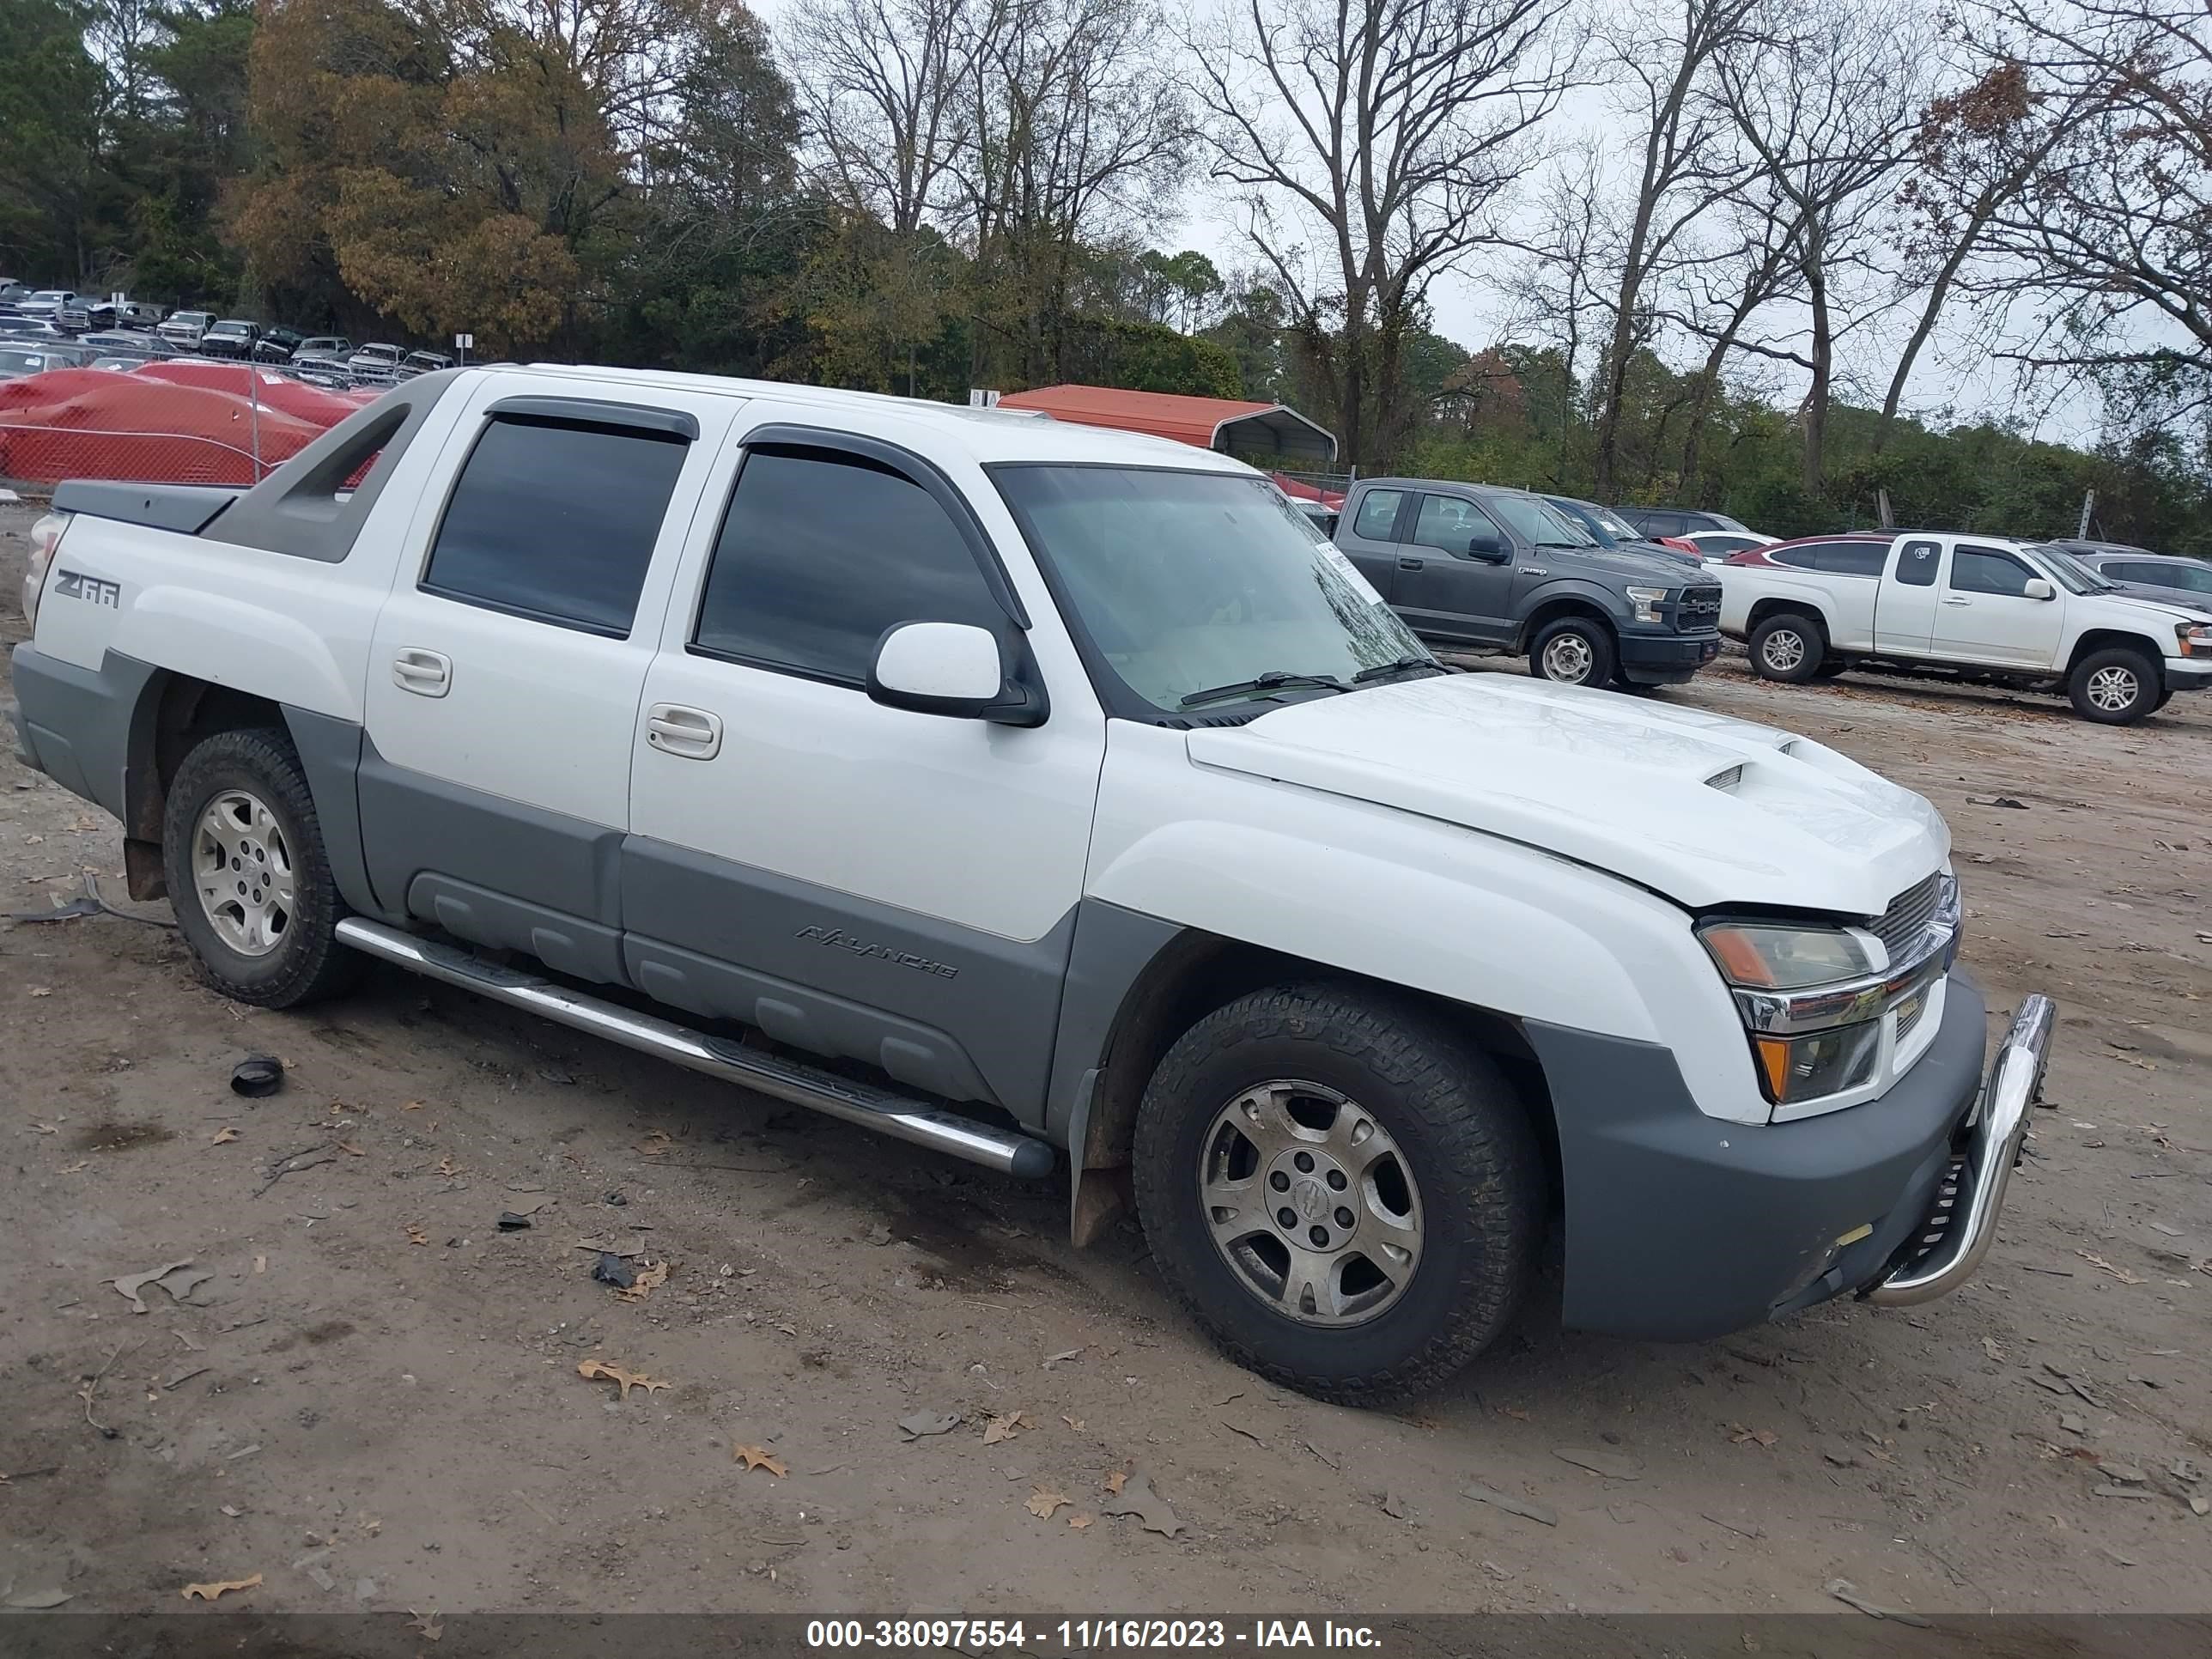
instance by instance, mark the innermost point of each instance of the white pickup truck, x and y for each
(1028, 792)
(2004, 611)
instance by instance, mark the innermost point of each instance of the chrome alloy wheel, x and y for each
(242, 872)
(1310, 1202)
(2113, 689)
(1783, 650)
(1568, 658)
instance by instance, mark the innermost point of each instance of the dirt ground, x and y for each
(373, 1401)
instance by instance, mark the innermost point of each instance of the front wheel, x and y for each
(248, 877)
(1344, 1191)
(1573, 651)
(2114, 687)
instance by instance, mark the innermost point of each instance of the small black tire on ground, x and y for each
(1830, 668)
(1573, 651)
(1787, 646)
(248, 876)
(1457, 1157)
(2116, 686)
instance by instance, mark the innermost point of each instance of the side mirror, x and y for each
(1488, 547)
(2037, 588)
(951, 669)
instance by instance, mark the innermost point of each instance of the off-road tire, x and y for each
(1787, 646)
(2086, 687)
(1465, 1136)
(1597, 650)
(307, 963)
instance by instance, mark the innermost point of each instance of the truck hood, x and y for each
(2173, 609)
(1706, 809)
(1628, 562)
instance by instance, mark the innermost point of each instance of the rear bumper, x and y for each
(1665, 659)
(1680, 1226)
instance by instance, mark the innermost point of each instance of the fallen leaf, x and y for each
(1079, 1521)
(1062, 1358)
(1989, 1347)
(654, 1143)
(1740, 1435)
(447, 1168)
(2103, 1266)
(416, 1235)
(261, 1264)
(425, 1624)
(923, 1423)
(1075, 1423)
(413, 1106)
(224, 1136)
(1611, 1465)
(350, 1150)
(648, 1280)
(593, 1370)
(42, 990)
(76, 1168)
(1043, 1501)
(132, 1284)
(1395, 1505)
(1137, 1498)
(1007, 1426)
(756, 1457)
(233, 1510)
(209, 1592)
(1115, 1478)
(43, 1129)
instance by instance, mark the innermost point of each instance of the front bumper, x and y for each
(2189, 673)
(1680, 1226)
(1665, 659)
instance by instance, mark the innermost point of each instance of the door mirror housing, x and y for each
(1489, 547)
(2037, 588)
(952, 668)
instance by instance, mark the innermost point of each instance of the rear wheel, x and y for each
(1787, 646)
(1573, 651)
(248, 877)
(2114, 687)
(1345, 1193)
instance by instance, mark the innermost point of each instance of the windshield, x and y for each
(21, 363)
(2073, 575)
(1539, 522)
(1614, 526)
(1188, 581)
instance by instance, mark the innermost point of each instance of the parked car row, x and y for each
(134, 328)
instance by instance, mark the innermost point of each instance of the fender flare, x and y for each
(1579, 588)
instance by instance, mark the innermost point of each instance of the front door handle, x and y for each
(425, 673)
(1409, 564)
(1956, 599)
(686, 733)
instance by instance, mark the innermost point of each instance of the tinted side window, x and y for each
(1804, 558)
(1984, 570)
(820, 554)
(555, 523)
(1665, 523)
(1378, 511)
(1447, 522)
(2198, 578)
(1917, 562)
(1723, 542)
(1855, 558)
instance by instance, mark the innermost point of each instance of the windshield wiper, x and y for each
(1401, 666)
(1272, 680)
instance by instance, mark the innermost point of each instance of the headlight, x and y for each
(1793, 1069)
(2196, 639)
(1647, 601)
(1772, 957)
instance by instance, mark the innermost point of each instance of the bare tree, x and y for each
(2112, 233)
(1659, 54)
(1388, 132)
(884, 84)
(1827, 113)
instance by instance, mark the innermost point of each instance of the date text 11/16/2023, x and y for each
(1082, 1635)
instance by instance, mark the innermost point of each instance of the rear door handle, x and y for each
(425, 673)
(1956, 599)
(686, 733)
(1409, 564)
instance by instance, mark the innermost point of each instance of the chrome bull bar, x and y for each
(1967, 1205)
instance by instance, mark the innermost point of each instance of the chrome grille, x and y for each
(1908, 1015)
(1910, 912)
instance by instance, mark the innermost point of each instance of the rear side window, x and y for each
(1378, 512)
(821, 553)
(555, 523)
(1917, 562)
(1855, 558)
(1984, 570)
(1803, 558)
(1665, 524)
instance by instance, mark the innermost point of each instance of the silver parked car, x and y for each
(2150, 575)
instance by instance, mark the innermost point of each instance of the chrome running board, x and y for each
(902, 1116)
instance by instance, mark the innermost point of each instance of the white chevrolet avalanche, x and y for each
(1049, 797)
